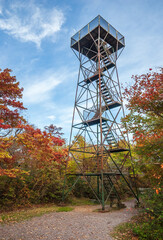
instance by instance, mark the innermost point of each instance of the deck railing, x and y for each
(92, 25)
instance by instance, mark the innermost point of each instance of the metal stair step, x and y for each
(107, 95)
(110, 140)
(107, 99)
(105, 91)
(106, 61)
(109, 134)
(104, 127)
(112, 143)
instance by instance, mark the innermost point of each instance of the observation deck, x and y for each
(84, 39)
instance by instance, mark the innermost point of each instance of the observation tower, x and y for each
(98, 145)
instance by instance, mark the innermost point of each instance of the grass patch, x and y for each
(82, 201)
(37, 211)
(64, 209)
(25, 214)
(124, 232)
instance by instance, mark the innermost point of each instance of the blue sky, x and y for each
(35, 44)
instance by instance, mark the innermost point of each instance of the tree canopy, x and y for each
(145, 121)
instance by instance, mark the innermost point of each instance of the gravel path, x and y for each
(80, 224)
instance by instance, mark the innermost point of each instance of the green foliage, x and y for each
(46, 184)
(82, 189)
(150, 230)
(139, 228)
(149, 224)
(13, 191)
(40, 186)
(153, 203)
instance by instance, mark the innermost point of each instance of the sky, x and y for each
(35, 44)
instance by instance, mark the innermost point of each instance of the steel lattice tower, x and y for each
(98, 144)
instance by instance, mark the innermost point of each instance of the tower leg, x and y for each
(102, 191)
(98, 187)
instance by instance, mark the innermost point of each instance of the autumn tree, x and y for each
(10, 104)
(11, 120)
(54, 130)
(31, 160)
(39, 147)
(44, 155)
(145, 121)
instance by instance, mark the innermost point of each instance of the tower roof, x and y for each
(88, 34)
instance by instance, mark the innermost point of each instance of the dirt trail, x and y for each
(80, 224)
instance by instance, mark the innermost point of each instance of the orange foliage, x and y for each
(29, 145)
(146, 94)
(39, 147)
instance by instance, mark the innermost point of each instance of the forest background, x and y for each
(33, 161)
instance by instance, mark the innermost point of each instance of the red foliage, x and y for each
(31, 147)
(145, 100)
(55, 131)
(146, 94)
(10, 106)
(39, 147)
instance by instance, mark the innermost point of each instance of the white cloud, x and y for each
(31, 23)
(51, 117)
(41, 87)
